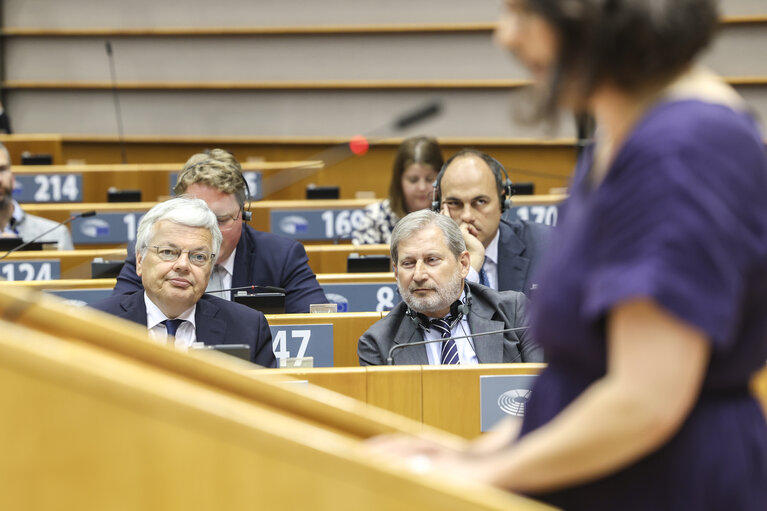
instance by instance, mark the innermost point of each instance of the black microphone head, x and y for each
(420, 115)
(108, 46)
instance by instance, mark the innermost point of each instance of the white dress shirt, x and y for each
(221, 277)
(491, 264)
(186, 334)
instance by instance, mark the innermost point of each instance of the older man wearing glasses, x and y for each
(248, 257)
(176, 248)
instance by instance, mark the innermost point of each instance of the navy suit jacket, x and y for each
(262, 258)
(520, 249)
(217, 322)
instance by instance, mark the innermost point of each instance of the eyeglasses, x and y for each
(226, 222)
(196, 257)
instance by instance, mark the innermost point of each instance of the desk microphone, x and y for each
(36, 238)
(273, 289)
(389, 360)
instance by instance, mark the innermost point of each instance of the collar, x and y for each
(18, 214)
(228, 265)
(154, 316)
(491, 252)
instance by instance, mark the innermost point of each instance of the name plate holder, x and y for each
(301, 342)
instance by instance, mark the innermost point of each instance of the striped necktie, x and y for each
(449, 349)
(483, 275)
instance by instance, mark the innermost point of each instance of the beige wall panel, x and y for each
(466, 113)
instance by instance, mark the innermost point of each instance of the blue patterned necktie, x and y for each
(449, 349)
(483, 275)
(171, 326)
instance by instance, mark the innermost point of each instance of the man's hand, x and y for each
(473, 245)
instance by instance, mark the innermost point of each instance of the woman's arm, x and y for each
(656, 365)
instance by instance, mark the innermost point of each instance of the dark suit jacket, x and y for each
(520, 248)
(217, 322)
(262, 258)
(490, 310)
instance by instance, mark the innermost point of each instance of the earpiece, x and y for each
(246, 214)
(465, 306)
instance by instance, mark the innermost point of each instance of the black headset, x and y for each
(504, 194)
(247, 215)
(458, 310)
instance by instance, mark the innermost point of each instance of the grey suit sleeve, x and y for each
(531, 350)
(368, 351)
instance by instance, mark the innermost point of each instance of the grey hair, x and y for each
(6, 151)
(182, 210)
(420, 220)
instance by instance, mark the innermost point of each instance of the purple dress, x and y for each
(681, 218)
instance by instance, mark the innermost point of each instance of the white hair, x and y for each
(182, 210)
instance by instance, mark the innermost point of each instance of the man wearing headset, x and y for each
(430, 264)
(248, 257)
(474, 190)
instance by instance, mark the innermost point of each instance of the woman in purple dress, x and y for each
(652, 302)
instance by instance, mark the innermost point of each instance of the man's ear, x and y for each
(139, 259)
(394, 268)
(464, 260)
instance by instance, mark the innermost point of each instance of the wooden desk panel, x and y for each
(153, 179)
(443, 397)
(323, 259)
(75, 264)
(451, 394)
(397, 389)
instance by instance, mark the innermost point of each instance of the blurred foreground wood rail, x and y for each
(99, 411)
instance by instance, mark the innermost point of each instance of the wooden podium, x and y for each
(96, 416)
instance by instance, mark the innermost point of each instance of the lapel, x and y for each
(512, 267)
(407, 333)
(134, 307)
(241, 271)
(489, 348)
(210, 329)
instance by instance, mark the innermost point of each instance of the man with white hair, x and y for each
(176, 248)
(431, 264)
